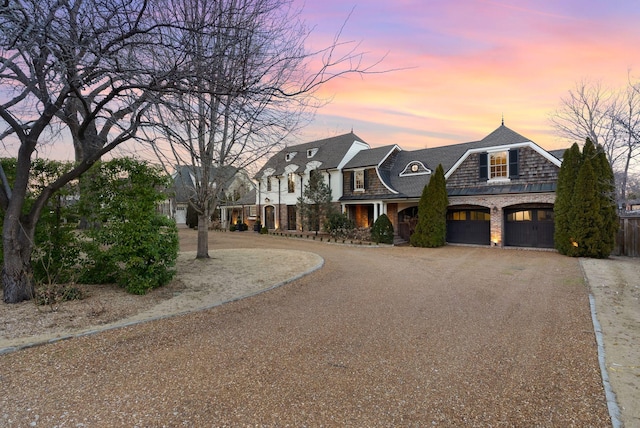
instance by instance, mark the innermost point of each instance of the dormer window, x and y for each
(311, 152)
(499, 165)
(415, 168)
(289, 156)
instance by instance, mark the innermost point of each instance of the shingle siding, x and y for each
(533, 168)
(373, 184)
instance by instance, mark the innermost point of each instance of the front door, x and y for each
(269, 217)
(291, 217)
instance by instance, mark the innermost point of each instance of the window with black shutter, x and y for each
(513, 163)
(484, 172)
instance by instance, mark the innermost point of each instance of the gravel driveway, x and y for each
(393, 336)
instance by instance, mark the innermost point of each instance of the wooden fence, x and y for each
(628, 239)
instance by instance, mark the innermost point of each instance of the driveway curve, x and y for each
(390, 336)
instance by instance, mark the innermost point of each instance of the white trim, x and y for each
(385, 184)
(529, 144)
(395, 146)
(406, 172)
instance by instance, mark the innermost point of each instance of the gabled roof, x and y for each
(183, 179)
(248, 199)
(500, 139)
(331, 151)
(559, 153)
(449, 156)
(371, 157)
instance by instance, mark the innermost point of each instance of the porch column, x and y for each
(223, 216)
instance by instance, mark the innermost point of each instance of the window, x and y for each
(457, 215)
(311, 152)
(415, 168)
(290, 156)
(520, 216)
(498, 165)
(479, 216)
(358, 180)
(291, 182)
(268, 184)
(252, 211)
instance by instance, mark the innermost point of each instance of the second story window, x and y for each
(291, 182)
(268, 184)
(358, 180)
(498, 165)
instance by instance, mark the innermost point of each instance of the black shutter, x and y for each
(484, 171)
(366, 179)
(513, 163)
(353, 180)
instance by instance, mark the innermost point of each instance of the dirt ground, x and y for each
(615, 285)
(378, 336)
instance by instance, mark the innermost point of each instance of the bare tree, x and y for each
(587, 112)
(627, 119)
(610, 118)
(254, 83)
(79, 63)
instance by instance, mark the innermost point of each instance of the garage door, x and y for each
(532, 227)
(469, 226)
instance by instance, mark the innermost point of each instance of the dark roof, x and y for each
(503, 189)
(447, 156)
(412, 185)
(331, 151)
(559, 153)
(370, 157)
(183, 185)
(248, 199)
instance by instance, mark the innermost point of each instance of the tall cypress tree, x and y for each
(431, 230)
(571, 161)
(586, 218)
(587, 221)
(608, 206)
(418, 237)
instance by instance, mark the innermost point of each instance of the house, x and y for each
(233, 183)
(501, 188)
(241, 210)
(282, 179)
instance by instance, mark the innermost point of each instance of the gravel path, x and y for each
(393, 336)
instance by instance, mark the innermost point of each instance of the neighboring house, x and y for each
(282, 179)
(501, 189)
(235, 184)
(242, 210)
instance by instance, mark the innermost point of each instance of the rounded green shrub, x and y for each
(382, 231)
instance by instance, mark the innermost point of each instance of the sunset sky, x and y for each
(465, 63)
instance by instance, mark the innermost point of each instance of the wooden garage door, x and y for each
(530, 227)
(469, 226)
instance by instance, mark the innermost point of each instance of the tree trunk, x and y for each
(203, 236)
(17, 273)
